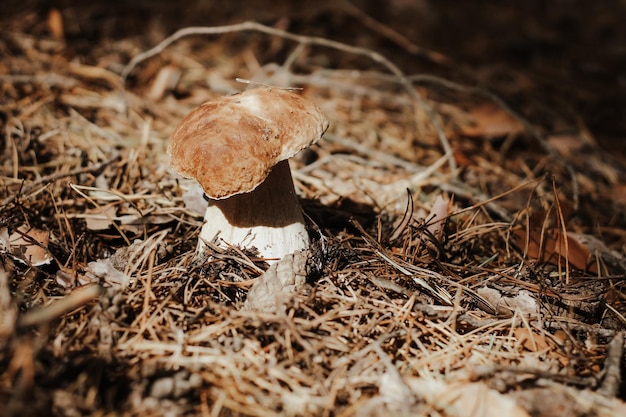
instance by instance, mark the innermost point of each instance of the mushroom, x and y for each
(237, 148)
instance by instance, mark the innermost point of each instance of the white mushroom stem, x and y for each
(268, 218)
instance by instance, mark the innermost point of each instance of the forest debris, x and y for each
(89, 100)
(176, 385)
(55, 23)
(128, 258)
(105, 269)
(389, 194)
(582, 251)
(567, 145)
(8, 312)
(27, 245)
(274, 287)
(465, 399)
(435, 220)
(431, 288)
(68, 278)
(523, 301)
(561, 400)
(570, 146)
(530, 340)
(620, 194)
(96, 73)
(166, 80)
(77, 298)
(313, 360)
(612, 379)
(394, 391)
(100, 218)
(598, 250)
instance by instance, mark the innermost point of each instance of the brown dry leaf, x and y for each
(531, 341)
(567, 145)
(29, 245)
(490, 121)
(620, 194)
(559, 338)
(598, 250)
(55, 23)
(555, 249)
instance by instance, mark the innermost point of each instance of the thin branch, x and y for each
(393, 35)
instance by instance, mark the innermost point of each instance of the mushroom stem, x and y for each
(268, 218)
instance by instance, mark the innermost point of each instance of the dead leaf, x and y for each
(104, 268)
(27, 245)
(556, 250)
(55, 23)
(490, 121)
(598, 249)
(531, 341)
(567, 145)
(620, 194)
(100, 218)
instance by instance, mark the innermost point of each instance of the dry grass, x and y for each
(406, 300)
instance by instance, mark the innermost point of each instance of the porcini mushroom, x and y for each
(237, 148)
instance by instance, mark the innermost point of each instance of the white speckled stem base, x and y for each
(268, 218)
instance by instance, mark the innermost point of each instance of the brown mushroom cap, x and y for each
(231, 144)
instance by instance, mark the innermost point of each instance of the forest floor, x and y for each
(467, 208)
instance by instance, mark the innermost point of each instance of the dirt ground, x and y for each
(466, 208)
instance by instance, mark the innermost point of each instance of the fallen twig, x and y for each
(77, 298)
